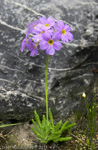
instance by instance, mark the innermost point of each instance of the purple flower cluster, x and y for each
(46, 33)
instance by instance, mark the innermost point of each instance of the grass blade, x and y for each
(7, 125)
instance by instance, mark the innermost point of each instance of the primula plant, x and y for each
(49, 36)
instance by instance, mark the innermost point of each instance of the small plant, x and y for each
(46, 131)
(47, 34)
(91, 118)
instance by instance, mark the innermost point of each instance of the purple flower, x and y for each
(27, 43)
(50, 43)
(63, 30)
(39, 32)
(46, 23)
(46, 33)
(32, 48)
(23, 44)
(29, 31)
(33, 25)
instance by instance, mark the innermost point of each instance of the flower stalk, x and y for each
(46, 92)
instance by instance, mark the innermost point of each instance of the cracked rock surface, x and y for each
(71, 70)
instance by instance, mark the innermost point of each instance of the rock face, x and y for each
(71, 71)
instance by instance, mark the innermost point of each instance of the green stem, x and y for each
(46, 93)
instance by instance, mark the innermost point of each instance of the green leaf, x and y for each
(51, 117)
(42, 140)
(7, 125)
(63, 126)
(37, 119)
(35, 125)
(38, 135)
(64, 139)
(53, 137)
(58, 125)
(48, 128)
(69, 126)
(45, 124)
(44, 120)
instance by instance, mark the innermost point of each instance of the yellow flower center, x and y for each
(27, 41)
(46, 25)
(50, 42)
(63, 31)
(42, 33)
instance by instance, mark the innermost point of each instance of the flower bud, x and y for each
(83, 95)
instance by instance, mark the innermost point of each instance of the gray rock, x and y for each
(70, 70)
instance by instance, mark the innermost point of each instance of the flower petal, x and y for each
(33, 53)
(42, 42)
(30, 24)
(67, 28)
(46, 36)
(30, 44)
(57, 45)
(69, 35)
(60, 24)
(44, 46)
(50, 21)
(64, 38)
(23, 44)
(29, 31)
(50, 50)
(29, 47)
(43, 20)
(56, 36)
(37, 38)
